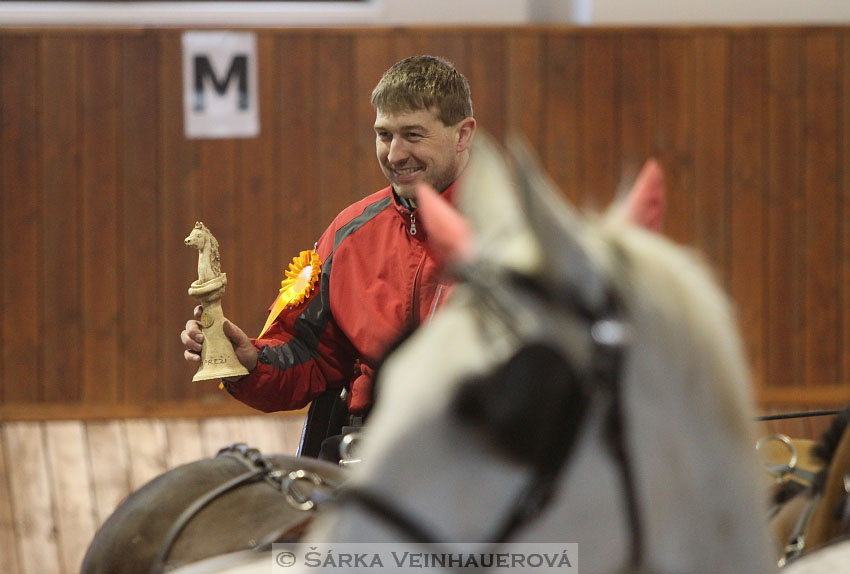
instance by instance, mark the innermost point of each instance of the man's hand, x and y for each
(193, 339)
(245, 350)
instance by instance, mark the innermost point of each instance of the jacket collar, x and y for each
(404, 207)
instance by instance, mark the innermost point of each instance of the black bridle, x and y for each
(496, 289)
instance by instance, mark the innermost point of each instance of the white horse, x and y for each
(564, 329)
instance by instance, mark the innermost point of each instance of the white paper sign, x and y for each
(220, 85)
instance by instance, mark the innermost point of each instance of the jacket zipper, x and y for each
(412, 224)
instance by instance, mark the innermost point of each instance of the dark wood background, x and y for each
(99, 186)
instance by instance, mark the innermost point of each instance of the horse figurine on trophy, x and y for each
(218, 359)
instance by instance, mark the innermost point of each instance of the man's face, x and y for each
(415, 147)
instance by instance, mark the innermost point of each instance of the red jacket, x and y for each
(378, 281)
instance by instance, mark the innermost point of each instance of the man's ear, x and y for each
(646, 202)
(465, 133)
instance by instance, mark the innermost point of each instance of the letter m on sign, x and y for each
(205, 75)
(220, 85)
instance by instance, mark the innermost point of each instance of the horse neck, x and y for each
(825, 525)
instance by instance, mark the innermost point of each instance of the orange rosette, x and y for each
(296, 287)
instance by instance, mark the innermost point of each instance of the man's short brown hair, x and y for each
(423, 82)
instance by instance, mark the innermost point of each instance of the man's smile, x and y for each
(405, 173)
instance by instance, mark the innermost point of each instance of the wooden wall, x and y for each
(98, 185)
(60, 480)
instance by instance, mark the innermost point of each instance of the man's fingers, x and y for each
(199, 310)
(191, 356)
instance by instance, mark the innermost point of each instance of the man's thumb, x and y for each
(236, 335)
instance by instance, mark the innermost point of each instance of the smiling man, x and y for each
(371, 277)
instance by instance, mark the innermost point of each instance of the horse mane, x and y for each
(825, 448)
(215, 258)
(694, 301)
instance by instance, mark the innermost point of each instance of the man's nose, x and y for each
(398, 151)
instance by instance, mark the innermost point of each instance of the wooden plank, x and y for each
(449, 45)
(747, 186)
(524, 87)
(224, 406)
(70, 481)
(675, 132)
(219, 432)
(38, 551)
(8, 540)
(301, 215)
(336, 124)
(110, 466)
(257, 273)
(265, 433)
(139, 195)
(372, 57)
(99, 189)
(601, 107)
(20, 224)
(834, 395)
(823, 209)
(179, 206)
(184, 442)
(639, 85)
(148, 448)
(845, 208)
(712, 201)
(485, 69)
(60, 237)
(785, 318)
(563, 104)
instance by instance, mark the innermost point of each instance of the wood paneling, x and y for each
(99, 186)
(20, 214)
(747, 135)
(60, 480)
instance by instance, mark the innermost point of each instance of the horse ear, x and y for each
(450, 234)
(557, 229)
(645, 203)
(490, 204)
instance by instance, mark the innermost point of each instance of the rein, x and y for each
(798, 415)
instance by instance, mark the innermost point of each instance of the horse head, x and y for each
(198, 237)
(209, 259)
(584, 383)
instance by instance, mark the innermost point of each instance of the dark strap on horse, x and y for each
(189, 513)
(259, 468)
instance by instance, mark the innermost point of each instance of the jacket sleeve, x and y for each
(302, 354)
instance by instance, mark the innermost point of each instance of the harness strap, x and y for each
(797, 543)
(159, 563)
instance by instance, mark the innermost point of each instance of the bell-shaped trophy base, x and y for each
(218, 359)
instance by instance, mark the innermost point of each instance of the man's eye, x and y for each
(414, 136)
(384, 136)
